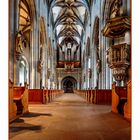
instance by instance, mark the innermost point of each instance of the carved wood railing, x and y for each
(118, 60)
(119, 97)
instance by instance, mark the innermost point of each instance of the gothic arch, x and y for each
(26, 15)
(32, 6)
(26, 12)
(23, 67)
(69, 83)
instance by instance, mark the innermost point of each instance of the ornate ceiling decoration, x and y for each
(69, 18)
(24, 16)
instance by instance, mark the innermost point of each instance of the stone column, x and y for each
(14, 28)
(108, 86)
(35, 76)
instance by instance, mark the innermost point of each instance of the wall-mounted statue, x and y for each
(20, 42)
(39, 66)
(116, 9)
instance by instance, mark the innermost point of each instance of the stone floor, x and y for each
(70, 117)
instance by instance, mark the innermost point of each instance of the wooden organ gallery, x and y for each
(80, 47)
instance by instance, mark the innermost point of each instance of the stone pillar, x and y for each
(59, 80)
(108, 85)
(43, 67)
(35, 76)
(14, 15)
(45, 64)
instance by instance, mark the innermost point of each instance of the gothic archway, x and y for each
(69, 84)
(23, 70)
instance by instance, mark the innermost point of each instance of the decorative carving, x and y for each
(119, 73)
(98, 66)
(118, 55)
(116, 27)
(118, 60)
(115, 9)
(39, 66)
(20, 44)
(40, 61)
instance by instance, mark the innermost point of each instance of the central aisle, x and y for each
(70, 117)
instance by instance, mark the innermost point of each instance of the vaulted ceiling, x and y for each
(24, 16)
(69, 19)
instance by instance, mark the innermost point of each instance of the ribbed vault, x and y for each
(69, 18)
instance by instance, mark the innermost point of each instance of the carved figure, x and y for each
(115, 12)
(118, 55)
(20, 42)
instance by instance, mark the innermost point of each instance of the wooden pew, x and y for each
(18, 101)
(20, 97)
(82, 93)
(89, 95)
(119, 97)
(36, 96)
(12, 104)
(43, 96)
(46, 99)
(102, 96)
(93, 99)
(128, 104)
(96, 96)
